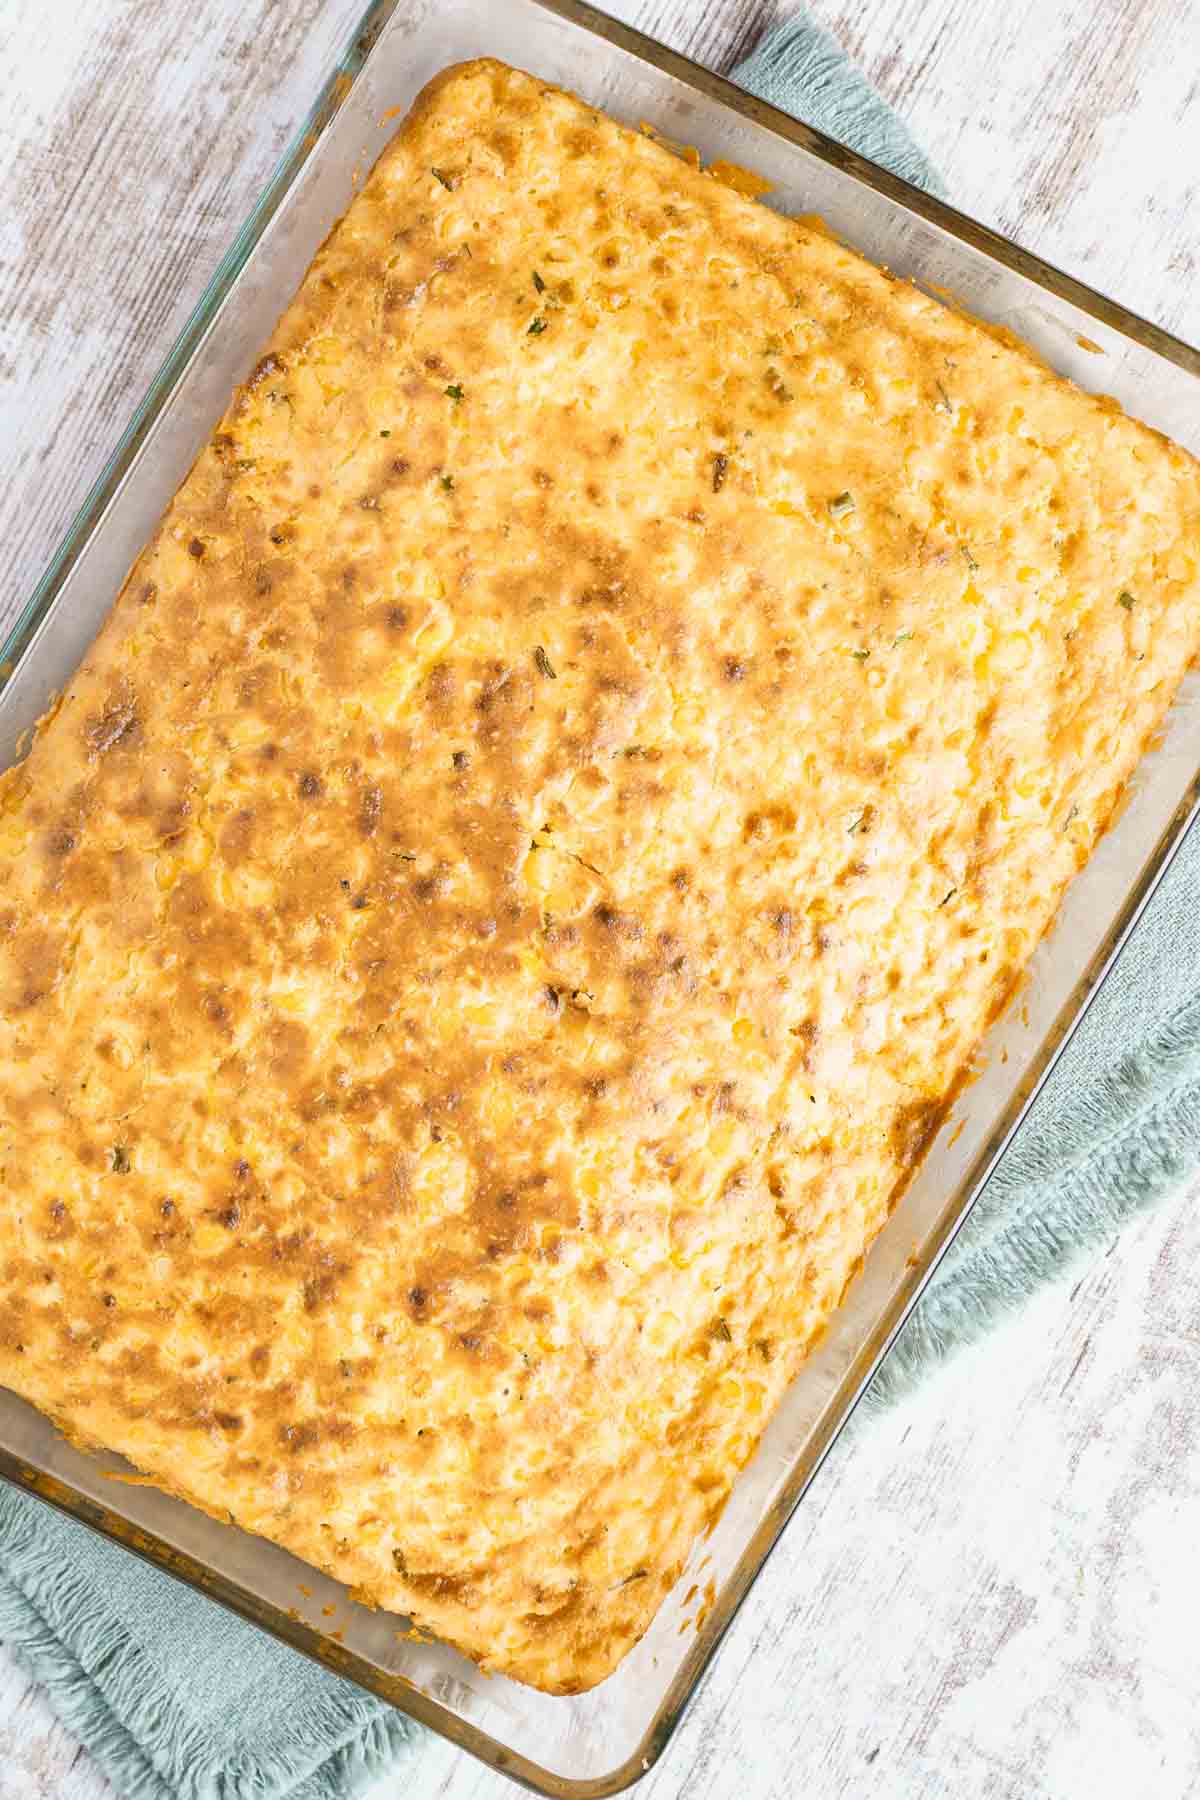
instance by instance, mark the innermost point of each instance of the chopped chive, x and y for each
(544, 665)
(968, 558)
(947, 898)
(1126, 599)
(447, 482)
(538, 283)
(721, 1330)
(860, 656)
(121, 1164)
(444, 179)
(1071, 816)
(901, 637)
(857, 824)
(385, 434)
(942, 403)
(537, 328)
(841, 504)
(454, 392)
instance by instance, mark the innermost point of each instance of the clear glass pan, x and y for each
(599, 1742)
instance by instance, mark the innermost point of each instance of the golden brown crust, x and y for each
(497, 916)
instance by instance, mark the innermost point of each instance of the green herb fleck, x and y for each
(1071, 816)
(385, 433)
(637, 1575)
(968, 558)
(444, 179)
(448, 482)
(942, 403)
(721, 1330)
(1126, 599)
(857, 825)
(945, 901)
(840, 505)
(538, 283)
(860, 656)
(544, 665)
(901, 637)
(347, 1368)
(537, 328)
(720, 470)
(454, 392)
(121, 1163)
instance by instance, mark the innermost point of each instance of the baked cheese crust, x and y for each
(503, 907)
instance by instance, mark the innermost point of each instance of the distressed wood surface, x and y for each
(992, 1595)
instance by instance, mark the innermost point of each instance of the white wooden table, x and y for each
(994, 1594)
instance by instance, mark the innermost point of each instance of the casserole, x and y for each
(814, 1391)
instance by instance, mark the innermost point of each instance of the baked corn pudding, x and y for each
(509, 897)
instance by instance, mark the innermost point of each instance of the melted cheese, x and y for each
(499, 914)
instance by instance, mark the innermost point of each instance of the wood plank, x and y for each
(1071, 126)
(993, 1594)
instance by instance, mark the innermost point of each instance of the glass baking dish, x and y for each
(597, 1743)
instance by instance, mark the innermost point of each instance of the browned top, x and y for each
(502, 907)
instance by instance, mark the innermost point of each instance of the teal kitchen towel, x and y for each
(178, 1700)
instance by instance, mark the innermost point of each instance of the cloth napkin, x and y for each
(178, 1700)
